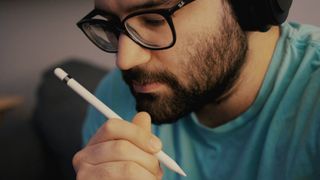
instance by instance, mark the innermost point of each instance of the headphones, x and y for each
(260, 15)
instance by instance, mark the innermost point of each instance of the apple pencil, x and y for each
(105, 110)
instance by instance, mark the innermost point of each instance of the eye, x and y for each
(152, 20)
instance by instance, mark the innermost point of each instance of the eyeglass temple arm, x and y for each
(180, 5)
(93, 13)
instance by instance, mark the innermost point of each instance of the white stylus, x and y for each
(106, 111)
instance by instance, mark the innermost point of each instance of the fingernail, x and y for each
(155, 143)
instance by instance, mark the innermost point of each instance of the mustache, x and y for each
(142, 77)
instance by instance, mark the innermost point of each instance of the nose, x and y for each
(131, 54)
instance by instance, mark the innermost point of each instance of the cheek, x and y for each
(173, 60)
(206, 15)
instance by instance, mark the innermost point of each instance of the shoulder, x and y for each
(292, 86)
(294, 74)
(303, 62)
(299, 47)
(298, 58)
(303, 33)
(303, 38)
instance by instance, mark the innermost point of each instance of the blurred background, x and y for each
(35, 36)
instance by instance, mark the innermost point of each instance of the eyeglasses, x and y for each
(151, 29)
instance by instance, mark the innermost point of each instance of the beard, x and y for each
(214, 63)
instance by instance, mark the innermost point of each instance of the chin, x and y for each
(162, 110)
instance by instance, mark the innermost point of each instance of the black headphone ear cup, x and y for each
(279, 11)
(259, 15)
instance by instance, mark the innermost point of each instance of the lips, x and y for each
(146, 88)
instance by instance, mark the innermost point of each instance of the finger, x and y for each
(118, 150)
(143, 120)
(114, 170)
(115, 129)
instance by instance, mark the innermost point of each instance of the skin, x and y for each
(123, 150)
(120, 150)
(209, 63)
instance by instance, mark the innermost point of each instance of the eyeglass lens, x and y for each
(102, 35)
(151, 30)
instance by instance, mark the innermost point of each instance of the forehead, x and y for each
(124, 6)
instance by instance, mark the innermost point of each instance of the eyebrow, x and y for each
(146, 5)
(136, 7)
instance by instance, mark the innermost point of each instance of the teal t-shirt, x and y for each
(278, 137)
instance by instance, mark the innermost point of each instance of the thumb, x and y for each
(143, 120)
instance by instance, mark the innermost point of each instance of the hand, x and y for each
(120, 150)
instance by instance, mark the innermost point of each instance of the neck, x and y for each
(242, 95)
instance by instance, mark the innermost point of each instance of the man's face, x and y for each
(201, 67)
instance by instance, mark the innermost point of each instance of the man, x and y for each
(226, 102)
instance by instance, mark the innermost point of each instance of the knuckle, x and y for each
(109, 127)
(120, 146)
(87, 171)
(82, 172)
(106, 173)
(130, 169)
(141, 135)
(80, 175)
(155, 163)
(76, 160)
(154, 166)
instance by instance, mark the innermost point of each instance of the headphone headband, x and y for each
(259, 15)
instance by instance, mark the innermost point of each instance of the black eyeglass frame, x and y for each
(117, 26)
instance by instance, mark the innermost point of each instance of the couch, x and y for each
(43, 147)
